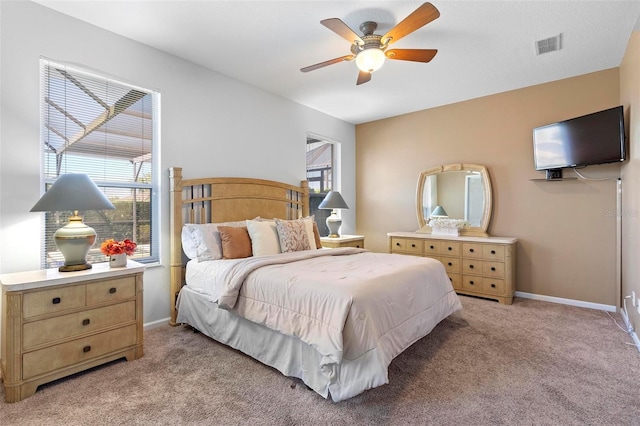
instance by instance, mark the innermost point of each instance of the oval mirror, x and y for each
(455, 191)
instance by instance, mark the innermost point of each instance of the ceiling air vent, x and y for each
(550, 44)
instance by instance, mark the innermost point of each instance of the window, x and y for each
(108, 130)
(320, 175)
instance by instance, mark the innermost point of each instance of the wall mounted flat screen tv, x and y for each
(596, 138)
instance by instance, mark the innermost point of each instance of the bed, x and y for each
(334, 318)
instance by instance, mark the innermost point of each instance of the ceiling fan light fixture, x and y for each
(370, 50)
(370, 60)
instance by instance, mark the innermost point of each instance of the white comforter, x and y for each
(343, 302)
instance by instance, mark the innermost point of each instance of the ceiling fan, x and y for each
(370, 50)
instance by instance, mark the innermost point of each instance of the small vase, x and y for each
(118, 260)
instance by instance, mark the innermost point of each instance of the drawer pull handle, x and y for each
(493, 268)
(449, 248)
(471, 282)
(86, 321)
(357, 245)
(431, 247)
(450, 279)
(493, 286)
(112, 290)
(398, 244)
(493, 252)
(470, 250)
(413, 245)
(450, 264)
(86, 349)
(55, 300)
(470, 266)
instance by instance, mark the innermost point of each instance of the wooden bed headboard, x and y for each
(220, 199)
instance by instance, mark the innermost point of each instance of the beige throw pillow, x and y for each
(264, 237)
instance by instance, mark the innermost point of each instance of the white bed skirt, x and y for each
(294, 358)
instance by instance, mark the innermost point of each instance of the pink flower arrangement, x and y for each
(111, 247)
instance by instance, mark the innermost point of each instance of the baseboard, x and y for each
(636, 341)
(571, 302)
(158, 323)
(630, 329)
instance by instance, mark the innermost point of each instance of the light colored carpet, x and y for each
(532, 363)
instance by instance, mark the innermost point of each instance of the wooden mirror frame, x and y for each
(479, 231)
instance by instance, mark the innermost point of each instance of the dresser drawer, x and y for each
(472, 283)
(449, 248)
(357, 244)
(456, 281)
(472, 250)
(53, 300)
(493, 252)
(493, 286)
(70, 325)
(44, 360)
(451, 264)
(472, 266)
(111, 290)
(408, 245)
(431, 248)
(493, 269)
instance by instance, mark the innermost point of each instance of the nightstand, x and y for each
(343, 241)
(59, 323)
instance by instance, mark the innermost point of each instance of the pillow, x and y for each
(308, 222)
(236, 243)
(293, 235)
(201, 241)
(316, 236)
(264, 237)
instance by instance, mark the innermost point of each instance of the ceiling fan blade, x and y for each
(329, 62)
(363, 77)
(337, 26)
(416, 55)
(418, 18)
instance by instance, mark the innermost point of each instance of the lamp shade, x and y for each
(73, 192)
(333, 200)
(439, 212)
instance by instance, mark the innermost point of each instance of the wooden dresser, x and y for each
(59, 323)
(477, 266)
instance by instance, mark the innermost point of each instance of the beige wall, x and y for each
(566, 230)
(630, 98)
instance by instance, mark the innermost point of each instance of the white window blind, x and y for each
(108, 130)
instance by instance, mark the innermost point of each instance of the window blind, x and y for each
(108, 130)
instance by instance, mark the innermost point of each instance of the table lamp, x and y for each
(333, 201)
(74, 192)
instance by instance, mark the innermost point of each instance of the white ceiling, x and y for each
(484, 47)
